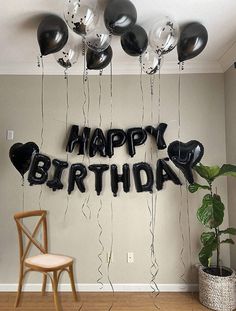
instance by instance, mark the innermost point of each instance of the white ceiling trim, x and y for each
(169, 67)
(228, 59)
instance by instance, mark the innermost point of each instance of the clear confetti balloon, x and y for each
(68, 56)
(164, 35)
(98, 39)
(81, 16)
(151, 63)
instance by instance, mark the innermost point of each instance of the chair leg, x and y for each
(55, 291)
(44, 284)
(72, 281)
(19, 287)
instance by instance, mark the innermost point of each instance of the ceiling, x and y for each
(19, 48)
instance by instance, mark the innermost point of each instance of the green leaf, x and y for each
(229, 231)
(194, 187)
(207, 172)
(227, 170)
(228, 241)
(206, 253)
(208, 238)
(211, 213)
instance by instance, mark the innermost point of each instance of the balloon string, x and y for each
(141, 86)
(99, 280)
(100, 98)
(154, 268)
(23, 193)
(85, 96)
(159, 95)
(109, 259)
(189, 233)
(67, 113)
(111, 94)
(88, 108)
(85, 204)
(182, 276)
(42, 103)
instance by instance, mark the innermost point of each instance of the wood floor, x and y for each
(103, 301)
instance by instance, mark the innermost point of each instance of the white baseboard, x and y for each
(106, 288)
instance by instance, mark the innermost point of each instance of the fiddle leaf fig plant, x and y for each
(211, 212)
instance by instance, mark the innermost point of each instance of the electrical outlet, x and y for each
(130, 257)
(10, 134)
(109, 257)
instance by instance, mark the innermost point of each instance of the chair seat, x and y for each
(48, 262)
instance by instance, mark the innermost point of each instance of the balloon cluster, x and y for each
(120, 18)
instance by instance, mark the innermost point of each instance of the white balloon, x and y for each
(98, 39)
(164, 35)
(81, 16)
(151, 63)
(68, 56)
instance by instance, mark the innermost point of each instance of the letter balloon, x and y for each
(98, 170)
(165, 173)
(135, 137)
(120, 178)
(146, 168)
(55, 183)
(76, 139)
(115, 138)
(77, 174)
(38, 173)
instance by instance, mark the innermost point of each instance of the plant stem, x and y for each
(218, 248)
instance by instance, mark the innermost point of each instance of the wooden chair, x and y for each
(48, 264)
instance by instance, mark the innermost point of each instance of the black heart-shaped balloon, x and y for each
(185, 156)
(20, 155)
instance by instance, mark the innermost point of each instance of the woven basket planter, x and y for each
(217, 293)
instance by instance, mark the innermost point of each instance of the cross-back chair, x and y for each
(49, 265)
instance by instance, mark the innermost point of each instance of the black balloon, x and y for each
(55, 183)
(115, 138)
(77, 174)
(98, 60)
(98, 170)
(21, 154)
(135, 137)
(97, 144)
(52, 34)
(135, 41)
(158, 134)
(146, 168)
(165, 173)
(76, 139)
(119, 16)
(186, 156)
(120, 178)
(193, 39)
(38, 173)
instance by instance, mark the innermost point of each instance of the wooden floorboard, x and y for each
(103, 301)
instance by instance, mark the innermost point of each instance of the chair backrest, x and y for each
(23, 230)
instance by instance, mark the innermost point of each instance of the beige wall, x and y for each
(203, 118)
(230, 100)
